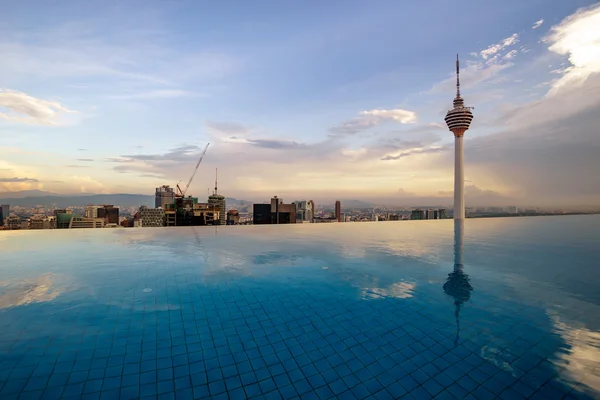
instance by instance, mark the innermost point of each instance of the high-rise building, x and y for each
(417, 214)
(164, 195)
(275, 213)
(442, 213)
(152, 217)
(310, 211)
(108, 212)
(338, 211)
(4, 213)
(219, 201)
(458, 120)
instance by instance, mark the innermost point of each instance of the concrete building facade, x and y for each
(152, 217)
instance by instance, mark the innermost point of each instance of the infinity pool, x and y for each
(500, 308)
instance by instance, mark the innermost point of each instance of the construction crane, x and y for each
(182, 193)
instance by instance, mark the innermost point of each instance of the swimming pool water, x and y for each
(500, 308)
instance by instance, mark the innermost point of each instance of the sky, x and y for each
(304, 100)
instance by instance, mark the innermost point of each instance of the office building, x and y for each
(42, 222)
(152, 217)
(310, 211)
(442, 213)
(417, 214)
(83, 222)
(458, 120)
(63, 219)
(338, 211)
(275, 213)
(13, 222)
(512, 210)
(4, 213)
(164, 195)
(108, 212)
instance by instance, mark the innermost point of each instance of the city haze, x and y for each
(310, 101)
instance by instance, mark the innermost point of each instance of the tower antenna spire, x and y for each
(457, 77)
(216, 178)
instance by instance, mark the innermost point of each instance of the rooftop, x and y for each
(311, 311)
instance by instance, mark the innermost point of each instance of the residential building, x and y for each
(338, 211)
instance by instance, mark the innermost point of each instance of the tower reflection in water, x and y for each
(457, 285)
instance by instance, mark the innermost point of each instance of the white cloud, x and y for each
(537, 24)
(24, 108)
(370, 118)
(511, 54)
(398, 115)
(495, 48)
(577, 37)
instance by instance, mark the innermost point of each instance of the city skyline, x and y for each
(321, 104)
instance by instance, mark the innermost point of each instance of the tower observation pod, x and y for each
(458, 120)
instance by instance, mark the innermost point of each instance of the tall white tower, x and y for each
(458, 120)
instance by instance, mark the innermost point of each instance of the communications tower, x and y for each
(458, 120)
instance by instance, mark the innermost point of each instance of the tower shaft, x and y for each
(459, 178)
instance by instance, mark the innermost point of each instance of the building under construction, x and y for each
(186, 211)
(182, 210)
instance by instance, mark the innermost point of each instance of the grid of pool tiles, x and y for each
(252, 339)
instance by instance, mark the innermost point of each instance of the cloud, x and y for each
(15, 179)
(228, 131)
(495, 48)
(78, 166)
(28, 109)
(472, 76)
(85, 159)
(511, 54)
(429, 150)
(577, 37)
(157, 94)
(537, 24)
(276, 144)
(371, 118)
(82, 149)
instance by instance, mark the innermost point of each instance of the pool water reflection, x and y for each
(498, 308)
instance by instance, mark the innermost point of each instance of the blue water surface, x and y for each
(500, 308)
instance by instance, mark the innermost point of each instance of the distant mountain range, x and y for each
(30, 198)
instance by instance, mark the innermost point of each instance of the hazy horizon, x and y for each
(316, 100)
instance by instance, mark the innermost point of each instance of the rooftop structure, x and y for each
(219, 201)
(458, 120)
(164, 195)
